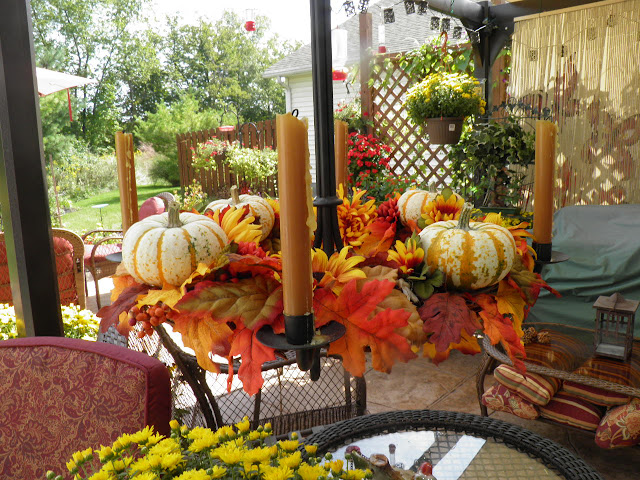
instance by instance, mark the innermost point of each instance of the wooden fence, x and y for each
(216, 182)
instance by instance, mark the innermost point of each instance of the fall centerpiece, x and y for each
(441, 102)
(393, 285)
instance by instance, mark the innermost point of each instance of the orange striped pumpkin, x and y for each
(167, 248)
(471, 255)
(412, 202)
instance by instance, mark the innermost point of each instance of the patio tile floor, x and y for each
(451, 386)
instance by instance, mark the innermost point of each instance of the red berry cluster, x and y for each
(388, 210)
(148, 317)
(367, 157)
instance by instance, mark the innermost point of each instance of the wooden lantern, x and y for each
(615, 316)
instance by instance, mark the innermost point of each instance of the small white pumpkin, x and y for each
(471, 255)
(258, 207)
(412, 202)
(167, 248)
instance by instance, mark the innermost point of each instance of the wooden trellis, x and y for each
(216, 183)
(411, 153)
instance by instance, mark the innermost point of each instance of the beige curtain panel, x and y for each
(584, 65)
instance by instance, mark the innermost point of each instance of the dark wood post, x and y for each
(366, 43)
(23, 185)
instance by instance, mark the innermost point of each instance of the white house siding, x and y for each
(300, 96)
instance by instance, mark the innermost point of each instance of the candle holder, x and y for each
(302, 337)
(545, 255)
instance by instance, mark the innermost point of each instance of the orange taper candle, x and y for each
(341, 130)
(546, 133)
(297, 219)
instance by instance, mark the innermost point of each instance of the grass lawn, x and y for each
(86, 218)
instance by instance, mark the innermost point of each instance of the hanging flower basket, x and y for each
(445, 130)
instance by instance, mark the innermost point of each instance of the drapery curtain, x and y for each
(584, 65)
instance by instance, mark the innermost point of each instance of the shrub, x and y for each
(78, 323)
(165, 170)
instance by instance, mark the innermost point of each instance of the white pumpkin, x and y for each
(167, 248)
(412, 202)
(258, 207)
(471, 255)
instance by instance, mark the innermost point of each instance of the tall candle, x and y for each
(546, 133)
(341, 130)
(297, 219)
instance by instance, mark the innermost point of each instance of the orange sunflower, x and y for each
(407, 255)
(354, 216)
(338, 270)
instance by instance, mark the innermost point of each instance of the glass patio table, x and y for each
(458, 445)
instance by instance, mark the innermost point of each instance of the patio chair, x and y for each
(288, 400)
(61, 395)
(102, 242)
(68, 249)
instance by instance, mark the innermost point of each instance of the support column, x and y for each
(23, 186)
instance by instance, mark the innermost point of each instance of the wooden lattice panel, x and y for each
(411, 154)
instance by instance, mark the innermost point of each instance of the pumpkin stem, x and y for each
(235, 196)
(174, 215)
(465, 217)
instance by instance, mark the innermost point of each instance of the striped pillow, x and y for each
(595, 395)
(530, 386)
(572, 411)
(500, 398)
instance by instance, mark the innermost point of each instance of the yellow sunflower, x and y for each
(354, 216)
(238, 229)
(407, 255)
(338, 270)
(442, 209)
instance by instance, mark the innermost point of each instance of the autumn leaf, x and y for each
(127, 299)
(380, 239)
(528, 282)
(510, 300)
(381, 272)
(468, 345)
(169, 295)
(253, 301)
(255, 265)
(253, 354)
(120, 282)
(445, 316)
(499, 328)
(355, 308)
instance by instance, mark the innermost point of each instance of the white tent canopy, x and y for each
(50, 82)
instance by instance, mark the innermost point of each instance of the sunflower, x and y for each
(442, 209)
(338, 270)
(354, 216)
(407, 255)
(238, 226)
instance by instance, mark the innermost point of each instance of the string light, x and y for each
(388, 15)
(364, 4)
(435, 23)
(423, 8)
(457, 32)
(349, 8)
(409, 7)
(445, 24)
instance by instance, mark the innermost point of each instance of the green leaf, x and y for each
(423, 289)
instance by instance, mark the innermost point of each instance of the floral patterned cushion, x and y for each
(500, 398)
(620, 427)
(61, 395)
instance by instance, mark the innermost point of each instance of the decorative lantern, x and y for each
(381, 39)
(409, 7)
(250, 20)
(615, 316)
(339, 38)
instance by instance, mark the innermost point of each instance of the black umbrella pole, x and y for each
(327, 234)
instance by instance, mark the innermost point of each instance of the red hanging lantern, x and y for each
(250, 20)
(340, 74)
(381, 39)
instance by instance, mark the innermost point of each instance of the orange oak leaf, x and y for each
(253, 354)
(380, 239)
(444, 316)
(499, 328)
(468, 345)
(253, 301)
(355, 309)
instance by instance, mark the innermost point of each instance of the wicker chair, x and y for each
(100, 243)
(288, 399)
(68, 249)
(60, 395)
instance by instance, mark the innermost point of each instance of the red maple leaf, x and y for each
(354, 309)
(254, 264)
(445, 316)
(127, 299)
(499, 328)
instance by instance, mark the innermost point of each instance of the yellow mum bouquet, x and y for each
(202, 454)
(444, 95)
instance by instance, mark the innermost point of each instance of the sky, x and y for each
(289, 18)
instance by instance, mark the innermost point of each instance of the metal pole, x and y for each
(328, 233)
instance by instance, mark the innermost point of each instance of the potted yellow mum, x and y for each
(441, 102)
(231, 452)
